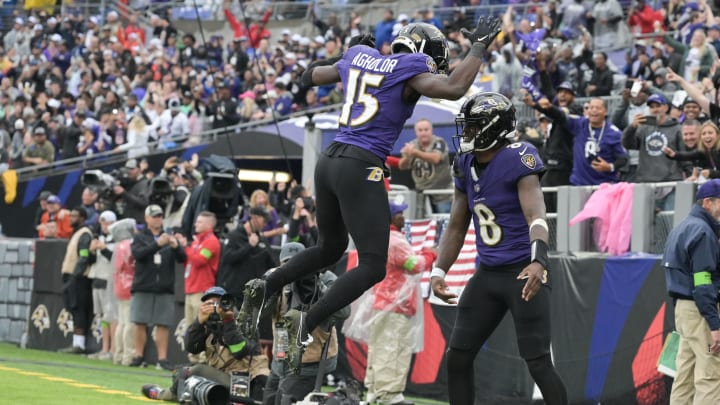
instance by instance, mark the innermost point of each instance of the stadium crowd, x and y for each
(78, 85)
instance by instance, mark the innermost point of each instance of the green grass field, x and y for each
(40, 377)
(31, 377)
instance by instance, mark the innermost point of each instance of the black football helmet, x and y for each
(485, 119)
(423, 38)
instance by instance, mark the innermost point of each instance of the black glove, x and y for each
(365, 39)
(235, 341)
(485, 32)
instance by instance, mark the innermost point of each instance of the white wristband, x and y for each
(437, 272)
(541, 223)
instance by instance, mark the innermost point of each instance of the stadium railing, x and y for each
(109, 158)
(650, 227)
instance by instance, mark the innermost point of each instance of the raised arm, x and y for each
(455, 85)
(322, 75)
(692, 90)
(324, 71)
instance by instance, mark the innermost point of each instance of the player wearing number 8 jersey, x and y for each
(497, 186)
(380, 94)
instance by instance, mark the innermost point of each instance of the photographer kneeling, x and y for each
(231, 359)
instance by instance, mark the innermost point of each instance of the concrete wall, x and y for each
(16, 283)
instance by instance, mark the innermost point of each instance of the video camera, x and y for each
(100, 181)
(161, 190)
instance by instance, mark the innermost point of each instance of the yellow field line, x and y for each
(57, 379)
(82, 385)
(73, 383)
(30, 373)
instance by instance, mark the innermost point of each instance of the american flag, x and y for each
(426, 233)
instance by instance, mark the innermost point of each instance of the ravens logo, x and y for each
(180, 330)
(529, 161)
(41, 318)
(97, 328)
(65, 322)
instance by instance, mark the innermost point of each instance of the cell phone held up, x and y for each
(650, 120)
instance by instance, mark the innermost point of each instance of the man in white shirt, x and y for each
(174, 127)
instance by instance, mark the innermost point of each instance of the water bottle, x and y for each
(283, 341)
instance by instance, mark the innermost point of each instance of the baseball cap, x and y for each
(131, 164)
(213, 292)
(289, 250)
(319, 39)
(39, 131)
(397, 208)
(56, 37)
(260, 212)
(709, 189)
(44, 195)
(153, 210)
(689, 100)
(286, 31)
(657, 98)
(248, 94)
(403, 17)
(174, 104)
(53, 199)
(108, 216)
(566, 86)
(715, 27)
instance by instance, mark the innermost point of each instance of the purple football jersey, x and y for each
(374, 112)
(501, 230)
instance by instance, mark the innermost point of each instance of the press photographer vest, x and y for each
(71, 254)
(219, 357)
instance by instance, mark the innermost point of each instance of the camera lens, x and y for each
(226, 302)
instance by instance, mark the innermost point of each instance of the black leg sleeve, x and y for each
(548, 380)
(461, 376)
